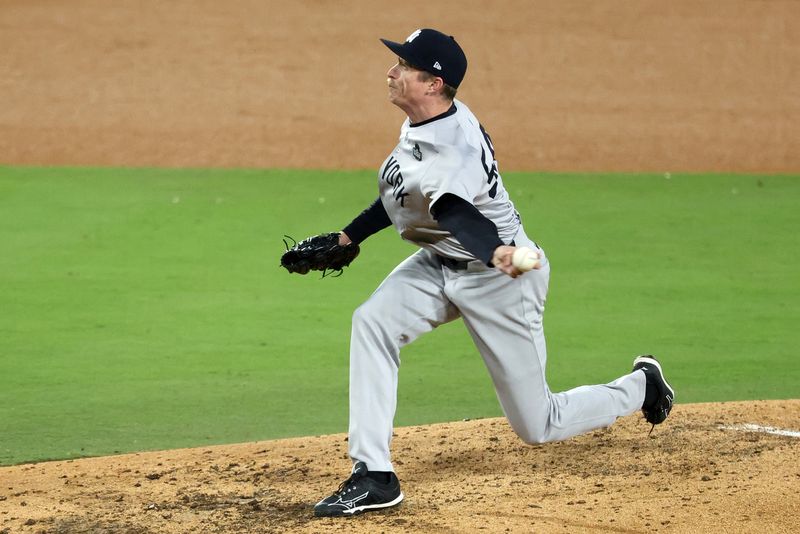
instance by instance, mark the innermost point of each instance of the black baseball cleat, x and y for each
(658, 390)
(359, 494)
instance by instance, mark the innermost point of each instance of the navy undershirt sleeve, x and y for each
(474, 231)
(370, 221)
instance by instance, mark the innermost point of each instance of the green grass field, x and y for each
(144, 308)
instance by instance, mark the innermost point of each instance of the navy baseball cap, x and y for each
(434, 52)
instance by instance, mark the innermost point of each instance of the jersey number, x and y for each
(490, 168)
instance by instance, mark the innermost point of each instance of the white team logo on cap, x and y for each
(437, 66)
(413, 36)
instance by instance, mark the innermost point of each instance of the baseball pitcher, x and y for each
(440, 188)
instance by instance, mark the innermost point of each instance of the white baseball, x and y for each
(525, 259)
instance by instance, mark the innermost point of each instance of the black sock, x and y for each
(380, 476)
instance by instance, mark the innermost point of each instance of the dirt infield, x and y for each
(580, 85)
(585, 85)
(696, 473)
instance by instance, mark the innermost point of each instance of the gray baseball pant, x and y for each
(504, 317)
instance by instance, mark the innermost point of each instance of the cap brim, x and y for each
(401, 51)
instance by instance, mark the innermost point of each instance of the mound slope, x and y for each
(691, 474)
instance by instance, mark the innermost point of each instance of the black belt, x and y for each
(455, 265)
(460, 265)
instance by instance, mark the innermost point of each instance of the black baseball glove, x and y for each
(319, 253)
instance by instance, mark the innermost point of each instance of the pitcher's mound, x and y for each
(732, 467)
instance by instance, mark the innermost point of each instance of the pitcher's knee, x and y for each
(536, 436)
(366, 315)
(535, 430)
(370, 338)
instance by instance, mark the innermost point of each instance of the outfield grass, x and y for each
(145, 309)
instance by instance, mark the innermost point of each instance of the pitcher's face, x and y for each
(406, 86)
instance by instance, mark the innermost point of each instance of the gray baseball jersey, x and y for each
(452, 154)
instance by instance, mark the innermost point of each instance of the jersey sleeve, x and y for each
(370, 221)
(475, 232)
